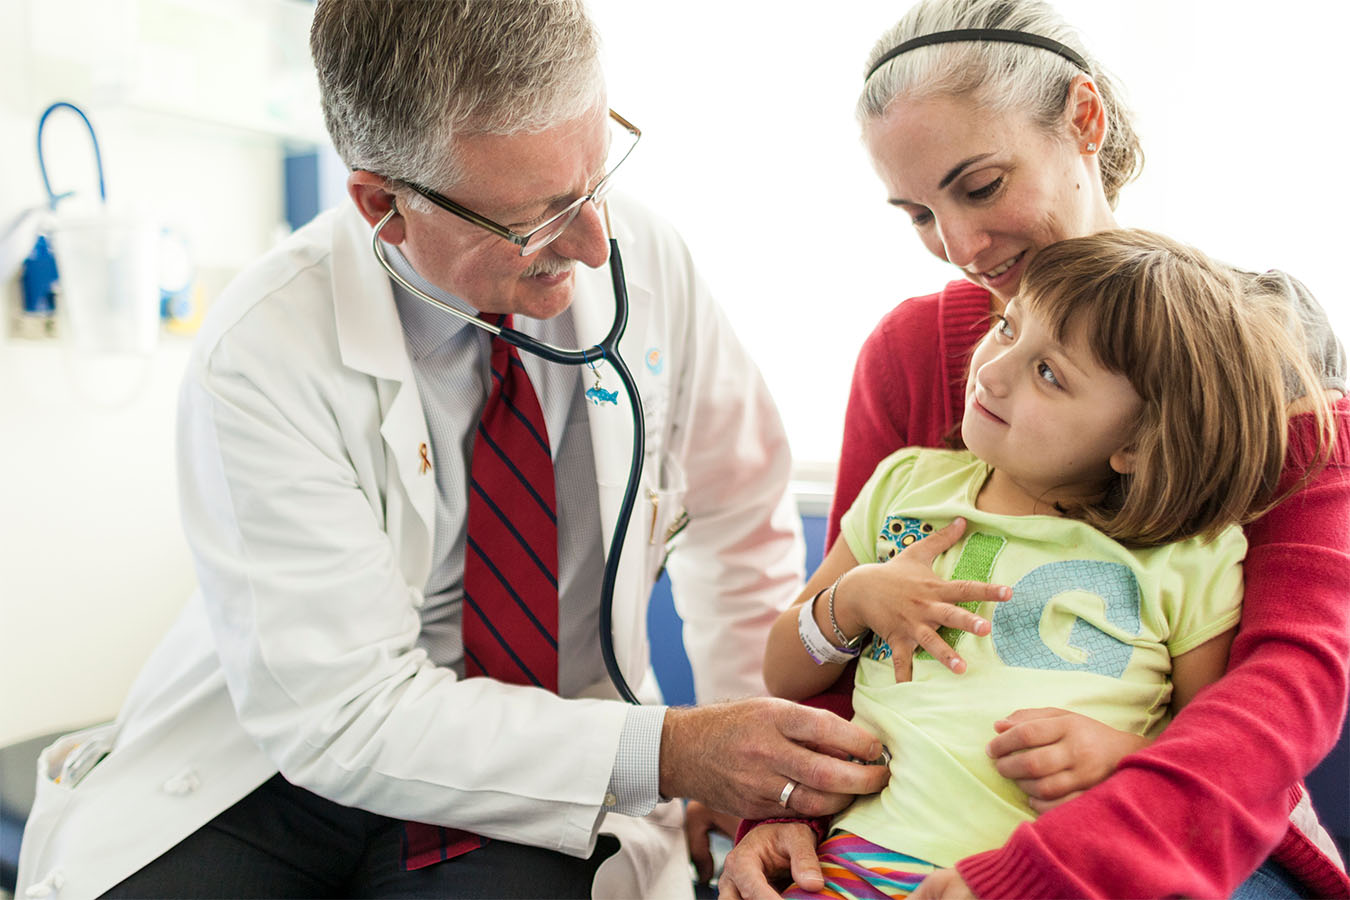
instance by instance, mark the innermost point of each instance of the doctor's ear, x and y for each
(371, 194)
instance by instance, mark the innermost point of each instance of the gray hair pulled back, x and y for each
(1001, 77)
(401, 79)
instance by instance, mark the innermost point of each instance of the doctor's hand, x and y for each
(768, 853)
(740, 756)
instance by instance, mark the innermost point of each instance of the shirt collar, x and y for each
(425, 328)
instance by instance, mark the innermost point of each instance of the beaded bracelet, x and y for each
(845, 643)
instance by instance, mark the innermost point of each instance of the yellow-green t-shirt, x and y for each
(1091, 627)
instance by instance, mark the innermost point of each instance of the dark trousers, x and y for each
(283, 841)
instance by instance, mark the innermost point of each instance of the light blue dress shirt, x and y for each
(450, 361)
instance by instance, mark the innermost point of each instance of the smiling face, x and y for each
(1051, 420)
(985, 191)
(518, 180)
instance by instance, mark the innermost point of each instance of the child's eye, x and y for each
(918, 220)
(1044, 371)
(1003, 328)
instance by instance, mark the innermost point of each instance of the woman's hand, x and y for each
(700, 820)
(768, 853)
(905, 603)
(1054, 755)
(944, 884)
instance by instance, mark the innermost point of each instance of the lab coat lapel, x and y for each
(370, 338)
(611, 438)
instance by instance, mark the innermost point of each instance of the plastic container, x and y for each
(108, 266)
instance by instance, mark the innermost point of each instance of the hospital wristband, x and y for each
(818, 647)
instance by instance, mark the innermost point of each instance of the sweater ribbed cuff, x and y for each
(817, 825)
(1006, 873)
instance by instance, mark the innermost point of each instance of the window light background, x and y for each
(750, 148)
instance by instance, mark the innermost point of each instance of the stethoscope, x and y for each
(605, 351)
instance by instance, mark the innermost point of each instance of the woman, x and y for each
(997, 145)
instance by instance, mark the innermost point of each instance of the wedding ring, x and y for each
(786, 794)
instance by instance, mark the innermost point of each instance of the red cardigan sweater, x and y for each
(1198, 811)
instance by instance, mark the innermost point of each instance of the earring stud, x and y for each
(1091, 147)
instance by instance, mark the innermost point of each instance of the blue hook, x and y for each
(585, 355)
(52, 197)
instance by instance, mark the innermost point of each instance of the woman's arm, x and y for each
(1236, 752)
(871, 422)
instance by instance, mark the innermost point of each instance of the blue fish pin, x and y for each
(599, 396)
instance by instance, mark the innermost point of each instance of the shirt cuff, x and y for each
(635, 780)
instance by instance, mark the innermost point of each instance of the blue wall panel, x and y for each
(666, 629)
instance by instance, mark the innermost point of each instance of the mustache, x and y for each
(549, 267)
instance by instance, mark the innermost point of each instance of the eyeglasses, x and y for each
(621, 145)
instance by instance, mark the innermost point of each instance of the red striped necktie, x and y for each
(510, 609)
(511, 553)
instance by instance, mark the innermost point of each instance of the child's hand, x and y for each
(1054, 755)
(904, 603)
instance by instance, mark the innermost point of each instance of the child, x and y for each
(1123, 416)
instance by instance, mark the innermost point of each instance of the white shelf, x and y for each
(242, 65)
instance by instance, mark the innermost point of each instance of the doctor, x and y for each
(313, 702)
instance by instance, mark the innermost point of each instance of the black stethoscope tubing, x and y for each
(605, 351)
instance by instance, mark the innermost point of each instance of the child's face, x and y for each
(1047, 416)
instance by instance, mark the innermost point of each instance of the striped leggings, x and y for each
(856, 869)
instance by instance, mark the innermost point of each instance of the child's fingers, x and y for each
(1035, 764)
(973, 591)
(941, 650)
(933, 546)
(1052, 718)
(962, 620)
(1055, 786)
(904, 666)
(1024, 730)
(1040, 806)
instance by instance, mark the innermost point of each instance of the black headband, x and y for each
(996, 35)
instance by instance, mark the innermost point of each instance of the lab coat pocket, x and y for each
(665, 515)
(61, 767)
(73, 758)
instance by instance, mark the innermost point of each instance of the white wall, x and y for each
(751, 148)
(194, 103)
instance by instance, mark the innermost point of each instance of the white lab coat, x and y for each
(310, 519)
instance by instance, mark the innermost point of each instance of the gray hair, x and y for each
(1000, 76)
(400, 80)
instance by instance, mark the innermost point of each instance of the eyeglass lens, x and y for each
(620, 145)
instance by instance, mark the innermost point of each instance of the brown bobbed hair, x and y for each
(1216, 366)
